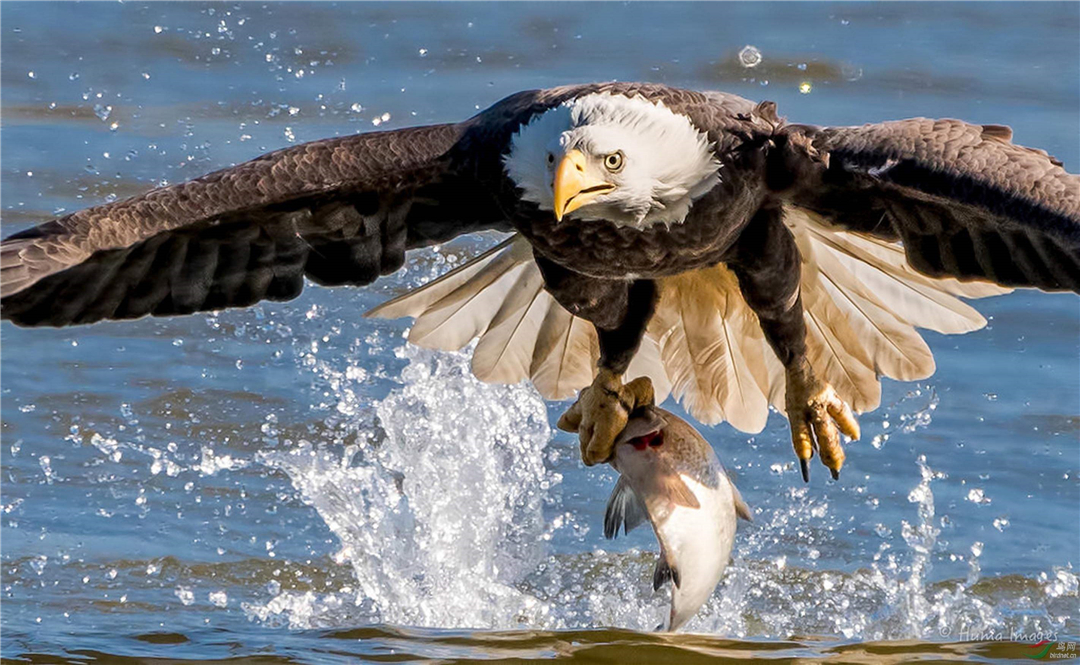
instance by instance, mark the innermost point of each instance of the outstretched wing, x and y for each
(965, 201)
(339, 211)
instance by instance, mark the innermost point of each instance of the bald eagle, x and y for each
(691, 241)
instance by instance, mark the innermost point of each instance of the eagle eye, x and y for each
(614, 161)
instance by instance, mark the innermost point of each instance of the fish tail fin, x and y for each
(623, 509)
(664, 572)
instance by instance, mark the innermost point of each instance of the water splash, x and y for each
(438, 506)
(439, 510)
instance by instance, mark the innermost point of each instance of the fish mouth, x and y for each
(650, 440)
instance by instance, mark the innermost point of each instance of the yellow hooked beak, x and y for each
(574, 187)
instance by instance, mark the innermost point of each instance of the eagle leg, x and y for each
(812, 408)
(766, 260)
(602, 409)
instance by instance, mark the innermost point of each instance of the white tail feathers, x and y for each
(862, 303)
(712, 348)
(524, 334)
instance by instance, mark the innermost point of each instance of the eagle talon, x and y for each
(804, 466)
(817, 416)
(601, 411)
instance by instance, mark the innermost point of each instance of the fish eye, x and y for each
(551, 158)
(614, 161)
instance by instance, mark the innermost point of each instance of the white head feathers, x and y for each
(669, 163)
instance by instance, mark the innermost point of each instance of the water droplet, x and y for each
(46, 467)
(851, 72)
(750, 56)
(186, 596)
(38, 563)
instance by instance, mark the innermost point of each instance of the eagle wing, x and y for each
(339, 211)
(963, 199)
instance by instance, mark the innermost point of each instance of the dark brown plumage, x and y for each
(964, 201)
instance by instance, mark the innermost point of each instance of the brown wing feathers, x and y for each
(336, 211)
(964, 200)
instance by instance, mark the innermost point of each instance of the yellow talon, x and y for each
(817, 416)
(601, 411)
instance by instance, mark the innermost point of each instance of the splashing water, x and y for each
(439, 513)
(439, 509)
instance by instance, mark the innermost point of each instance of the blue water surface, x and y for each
(233, 484)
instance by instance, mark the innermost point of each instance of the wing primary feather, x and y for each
(416, 301)
(505, 350)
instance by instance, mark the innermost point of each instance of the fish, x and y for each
(670, 476)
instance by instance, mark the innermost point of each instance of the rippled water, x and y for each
(291, 483)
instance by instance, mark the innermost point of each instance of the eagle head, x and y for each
(626, 160)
